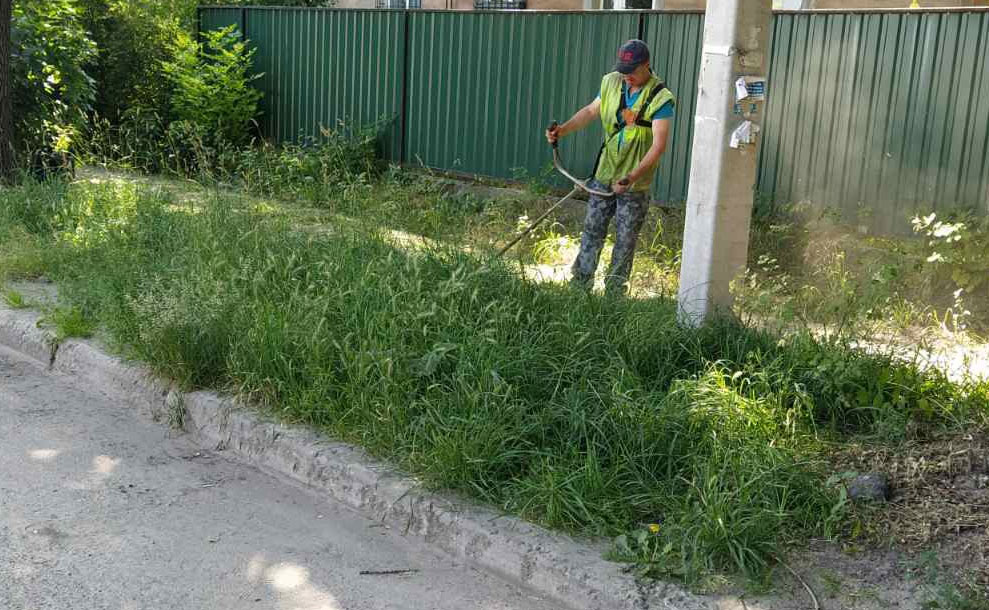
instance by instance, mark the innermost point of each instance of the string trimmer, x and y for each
(579, 185)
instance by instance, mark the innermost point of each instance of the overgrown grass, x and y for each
(825, 277)
(577, 411)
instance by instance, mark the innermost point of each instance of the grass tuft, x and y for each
(14, 299)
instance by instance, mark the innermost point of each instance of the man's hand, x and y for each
(621, 186)
(583, 117)
(660, 133)
(553, 134)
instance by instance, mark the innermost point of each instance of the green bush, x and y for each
(202, 133)
(133, 40)
(51, 90)
(212, 83)
(959, 245)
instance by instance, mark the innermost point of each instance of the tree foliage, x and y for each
(133, 38)
(51, 91)
(299, 3)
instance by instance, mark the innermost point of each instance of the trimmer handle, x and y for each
(581, 184)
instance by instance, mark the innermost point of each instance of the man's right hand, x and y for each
(553, 134)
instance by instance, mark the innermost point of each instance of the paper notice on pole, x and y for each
(741, 91)
(741, 135)
(755, 86)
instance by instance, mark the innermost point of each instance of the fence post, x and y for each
(243, 24)
(404, 117)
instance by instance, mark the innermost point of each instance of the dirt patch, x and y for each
(939, 487)
(849, 577)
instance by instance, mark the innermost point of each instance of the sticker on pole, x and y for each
(751, 88)
(745, 133)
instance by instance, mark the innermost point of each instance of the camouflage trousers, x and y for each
(629, 211)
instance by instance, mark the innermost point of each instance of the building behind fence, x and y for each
(876, 114)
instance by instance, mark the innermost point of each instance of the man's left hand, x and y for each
(621, 186)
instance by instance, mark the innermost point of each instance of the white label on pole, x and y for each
(741, 92)
(743, 134)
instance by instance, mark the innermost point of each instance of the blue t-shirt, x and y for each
(666, 112)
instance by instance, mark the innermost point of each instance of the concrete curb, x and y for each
(549, 564)
(20, 332)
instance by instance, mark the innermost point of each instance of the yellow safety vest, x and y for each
(626, 145)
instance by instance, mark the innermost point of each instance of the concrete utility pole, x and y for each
(723, 161)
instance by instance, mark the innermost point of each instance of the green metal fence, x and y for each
(675, 40)
(877, 114)
(324, 68)
(214, 18)
(484, 86)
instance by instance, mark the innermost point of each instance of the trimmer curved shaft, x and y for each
(582, 184)
(579, 185)
(537, 221)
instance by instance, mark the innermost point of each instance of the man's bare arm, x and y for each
(581, 119)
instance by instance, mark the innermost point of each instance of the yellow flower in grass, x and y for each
(654, 528)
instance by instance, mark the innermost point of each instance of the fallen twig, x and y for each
(385, 572)
(813, 597)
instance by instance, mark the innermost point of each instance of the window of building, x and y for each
(498, 4)
(398, 4)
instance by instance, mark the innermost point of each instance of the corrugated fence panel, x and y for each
(676, 40)
(880, 116)
(327, 68)
(214, 18)
(483, 87)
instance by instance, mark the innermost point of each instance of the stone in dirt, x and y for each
(870, 487)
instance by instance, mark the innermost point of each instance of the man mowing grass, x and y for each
(636, 109)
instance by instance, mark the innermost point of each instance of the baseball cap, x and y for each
(630, 55)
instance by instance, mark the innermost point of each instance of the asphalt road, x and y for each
(100, 508)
